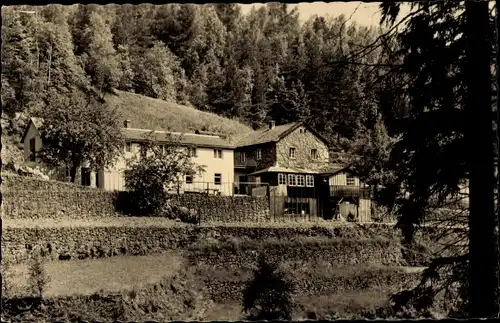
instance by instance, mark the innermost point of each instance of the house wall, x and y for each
(268, 156)
(54, 173)
(32, 133)
(303, 143)
(114, 178)
(341, 179)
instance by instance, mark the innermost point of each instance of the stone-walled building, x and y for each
(294, 161)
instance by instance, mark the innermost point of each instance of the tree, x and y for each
(289, 103)
(20, 62)
(99, 55)
(446, 140)
(159, 166)
(269, 295)
(157, 72)
(38, 277)
(78, 130)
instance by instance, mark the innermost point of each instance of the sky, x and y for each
(366, 13)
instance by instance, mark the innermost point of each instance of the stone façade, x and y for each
(277, 153)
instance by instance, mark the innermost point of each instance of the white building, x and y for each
(210, 151)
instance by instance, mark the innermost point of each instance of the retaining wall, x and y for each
(32, 198)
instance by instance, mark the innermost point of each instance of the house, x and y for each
(345, 195)
(293, 160)
(211, 151)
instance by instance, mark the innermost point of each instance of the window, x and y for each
(68, 173)
(189, 179)
(217, 179)
(292, 180)
(32, 149)
(143, 151)
(85, 174)
(259, 154)
(97, 184)
(281, 179)
(128, 147)
(218, 153)
(350, 180)
(300, 180)
(243, 157)
(161, 148)
(192, 152)
(309, 180)
(314, 154)
(291, 153)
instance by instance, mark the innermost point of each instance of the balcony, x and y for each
(349, 191)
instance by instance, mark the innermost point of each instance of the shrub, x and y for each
(159, 167)
(38, 277)
(269, 295)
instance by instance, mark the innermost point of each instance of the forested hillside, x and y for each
(255, 67)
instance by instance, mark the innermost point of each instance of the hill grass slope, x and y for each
(149, 113)
(144, 112)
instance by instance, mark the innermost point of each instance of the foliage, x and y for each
(255, 67)
(370, 152)
(432, 160)
(269, 295)
(157, 168)
(78, 130)
(38, 277)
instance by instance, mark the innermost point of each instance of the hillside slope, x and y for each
(145, 112)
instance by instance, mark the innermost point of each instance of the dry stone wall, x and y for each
(29, 198)
(208, 246)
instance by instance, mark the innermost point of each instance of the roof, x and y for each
(279, 169)
(211, 141)
(266, 135)
(332, 169)
(132, 134)
(37, 122)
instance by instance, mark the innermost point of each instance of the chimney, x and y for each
(272, 124)
(126, 123)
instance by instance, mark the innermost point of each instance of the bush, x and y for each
(269, 295)
(38, 277)
(161, 166)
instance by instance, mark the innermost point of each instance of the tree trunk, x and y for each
(483, 260)
(72, 173)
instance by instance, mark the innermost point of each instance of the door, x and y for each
(243, 186)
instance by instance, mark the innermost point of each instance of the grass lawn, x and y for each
(84, 277)
(145, 112)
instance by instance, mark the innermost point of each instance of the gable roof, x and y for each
(207, 141)
(267, 135)
(138, 135)
(37, 122)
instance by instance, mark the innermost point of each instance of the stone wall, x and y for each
(303, 143)
(210, 245)
(338, 251)
(30, 198)
(231, 285)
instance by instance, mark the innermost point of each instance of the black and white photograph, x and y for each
(250, 161)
